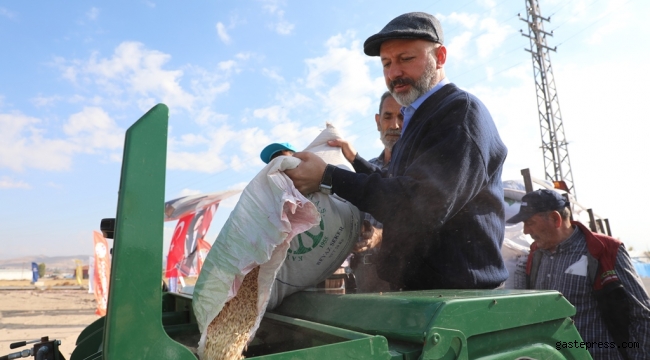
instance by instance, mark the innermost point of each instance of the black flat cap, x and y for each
(415, 25)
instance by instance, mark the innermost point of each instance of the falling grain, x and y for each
(228, 333)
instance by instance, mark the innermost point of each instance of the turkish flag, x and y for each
(195, 243)
(203, 247)
(177, 246)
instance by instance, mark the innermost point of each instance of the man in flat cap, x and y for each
(441, 199)
(593, 271)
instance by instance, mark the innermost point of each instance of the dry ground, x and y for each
(46, 282)
(31, 314)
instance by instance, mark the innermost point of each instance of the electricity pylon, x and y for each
(554, 146)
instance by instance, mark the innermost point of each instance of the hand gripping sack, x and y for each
(238, 279)
(315, 254)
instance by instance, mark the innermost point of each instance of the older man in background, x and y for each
(364, 261)
(593, 271)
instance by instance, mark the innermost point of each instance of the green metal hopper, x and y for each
(142, 322)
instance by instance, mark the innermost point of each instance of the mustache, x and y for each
(401, 81)
(397, 132)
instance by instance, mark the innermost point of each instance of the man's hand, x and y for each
(371, 238)
(307, 176)
(348, 151)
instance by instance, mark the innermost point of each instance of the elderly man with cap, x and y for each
(593, 271)
(441, 199)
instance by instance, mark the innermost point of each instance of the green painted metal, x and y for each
(142, 323)
(361, 349)
(97, 325)
(303, 324)
(134, 328)
(319, 341)
(463, 324)
(536, 340)
(89, 340)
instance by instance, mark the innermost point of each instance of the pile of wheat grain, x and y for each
(227, 334)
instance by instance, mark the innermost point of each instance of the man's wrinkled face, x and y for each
(389, 122)
(409, 68)
(542, 229)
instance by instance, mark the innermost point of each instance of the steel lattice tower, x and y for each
(554, 146)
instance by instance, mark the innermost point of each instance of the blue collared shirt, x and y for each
(408, 111)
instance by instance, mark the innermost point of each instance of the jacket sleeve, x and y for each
(363, 166)
(639, 304)
(449, 169)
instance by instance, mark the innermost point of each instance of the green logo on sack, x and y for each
(315, 240)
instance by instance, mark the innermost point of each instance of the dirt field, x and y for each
(31, 314)
(47, 283)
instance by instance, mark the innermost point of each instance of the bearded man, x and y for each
(441, 198)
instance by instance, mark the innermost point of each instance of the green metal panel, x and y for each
(533, 340)
(302, 339)
(361, 349)
(89, 340)
(134, 327)
(408, 315)
(395, 317)
(97, 325)
(463, 324)
(424, 325)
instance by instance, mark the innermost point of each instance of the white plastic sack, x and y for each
(316, 254)
(515, 257)
(261, 229)
(269, 213)
(516, 245)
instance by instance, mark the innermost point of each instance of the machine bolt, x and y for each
(435, 338)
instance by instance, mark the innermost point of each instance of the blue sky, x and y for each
(238, 75)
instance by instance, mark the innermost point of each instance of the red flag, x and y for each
(176, 247)
(102, 272)
(178, 208)
(191, 264)
(203, 248)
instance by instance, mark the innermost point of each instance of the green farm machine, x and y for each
(143, 322)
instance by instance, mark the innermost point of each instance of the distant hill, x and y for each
(51, 262)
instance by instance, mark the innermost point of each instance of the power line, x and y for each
(518, 47)
(496, 73)
(567, 21)
(491, 9)
(432, 5)
(595, 22)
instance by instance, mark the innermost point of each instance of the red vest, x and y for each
(602, 254)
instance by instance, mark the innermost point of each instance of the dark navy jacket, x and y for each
(441, 200)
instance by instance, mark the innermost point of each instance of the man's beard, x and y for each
(426, 82)
(389, 143)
